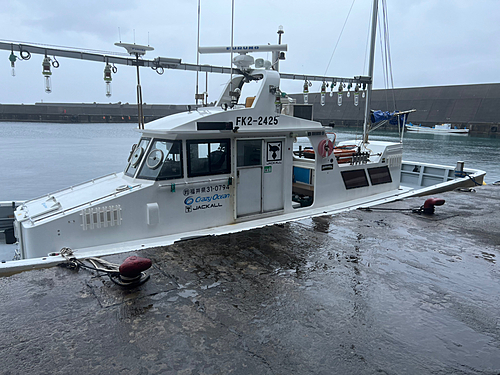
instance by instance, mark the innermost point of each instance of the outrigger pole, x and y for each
(161, 63)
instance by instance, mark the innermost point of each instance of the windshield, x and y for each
(163, 161)
(136, 156)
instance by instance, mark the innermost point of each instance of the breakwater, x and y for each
(85, 112)
(476, 107)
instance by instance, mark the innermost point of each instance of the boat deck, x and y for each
(362, 292)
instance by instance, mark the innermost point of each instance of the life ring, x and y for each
(325, 148)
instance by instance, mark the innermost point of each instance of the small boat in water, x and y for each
(221, 169)
(437, 129)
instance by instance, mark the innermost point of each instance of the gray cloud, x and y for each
(433, 42)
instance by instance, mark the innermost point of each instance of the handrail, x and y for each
(195, 182)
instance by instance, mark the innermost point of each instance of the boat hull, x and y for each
(423, 129)
(417, 179)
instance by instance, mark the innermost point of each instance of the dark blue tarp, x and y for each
(392, 117)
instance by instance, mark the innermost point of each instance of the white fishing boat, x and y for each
(221, 169)
(437, 129)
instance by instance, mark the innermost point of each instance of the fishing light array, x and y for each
(48, 63)
(340, 91)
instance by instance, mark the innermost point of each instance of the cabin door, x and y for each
(259, 176)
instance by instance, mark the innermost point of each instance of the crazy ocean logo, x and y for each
(205, 202)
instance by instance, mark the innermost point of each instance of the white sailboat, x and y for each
(221, 169)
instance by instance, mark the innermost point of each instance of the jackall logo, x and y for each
(202, 207)
(274, 151)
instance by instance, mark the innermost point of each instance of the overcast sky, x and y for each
(433, 42)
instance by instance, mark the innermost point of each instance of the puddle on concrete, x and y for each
(187, 293)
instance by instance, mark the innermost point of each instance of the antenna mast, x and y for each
(137, 50)
(232, 46)
(197, 95)
(370, 71)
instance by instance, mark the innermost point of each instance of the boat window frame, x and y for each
(141, 161)
(208, 172)
(349, 177)
(159, 167)
(385, 179)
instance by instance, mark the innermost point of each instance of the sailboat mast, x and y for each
(370, 71)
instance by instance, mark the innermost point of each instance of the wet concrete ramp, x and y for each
(364, 292)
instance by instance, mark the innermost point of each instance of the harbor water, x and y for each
(39, 158)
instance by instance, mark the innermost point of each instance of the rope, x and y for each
(101, 265)
(414, 210)
(98, 265)
(340, 36)
(474, 180)
(385, 55)
(388, 50)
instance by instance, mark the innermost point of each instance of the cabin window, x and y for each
(208, 157)
(249, 153)
(354, 179)
(136, 155)
(163, 161)
(380, 175)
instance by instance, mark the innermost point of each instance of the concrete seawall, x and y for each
(476, 107)
(85, 112)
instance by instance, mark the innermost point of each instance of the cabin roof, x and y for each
(240, 120)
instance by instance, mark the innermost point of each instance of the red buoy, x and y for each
(428, 207)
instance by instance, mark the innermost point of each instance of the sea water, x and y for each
(40, 158)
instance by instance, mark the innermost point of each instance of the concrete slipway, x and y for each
(363, 292)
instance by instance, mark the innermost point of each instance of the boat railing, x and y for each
(424, 174)
(228, 180)
(343, 157)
